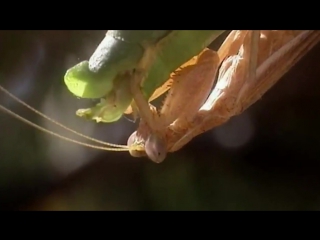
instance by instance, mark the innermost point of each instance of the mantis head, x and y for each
(152, 145)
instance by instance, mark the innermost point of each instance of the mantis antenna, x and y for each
(113, 147)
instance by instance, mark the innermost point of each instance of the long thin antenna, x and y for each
(58, 135)
(53, 121)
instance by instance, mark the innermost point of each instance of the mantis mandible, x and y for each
(247, 64)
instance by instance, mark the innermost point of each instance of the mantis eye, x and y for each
(131, 141)
(156, 148)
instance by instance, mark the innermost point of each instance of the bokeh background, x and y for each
(268, 158)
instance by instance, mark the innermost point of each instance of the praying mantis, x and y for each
(207, 90)
(251, 62)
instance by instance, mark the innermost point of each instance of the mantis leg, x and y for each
(189, 90)
(244, 78)
(149, 115)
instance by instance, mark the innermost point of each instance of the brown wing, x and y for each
(167, 85)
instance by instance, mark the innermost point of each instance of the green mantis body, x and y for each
(157, 53)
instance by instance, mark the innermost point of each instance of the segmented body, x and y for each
(278, 51)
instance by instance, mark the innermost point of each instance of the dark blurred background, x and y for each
(268, 158)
